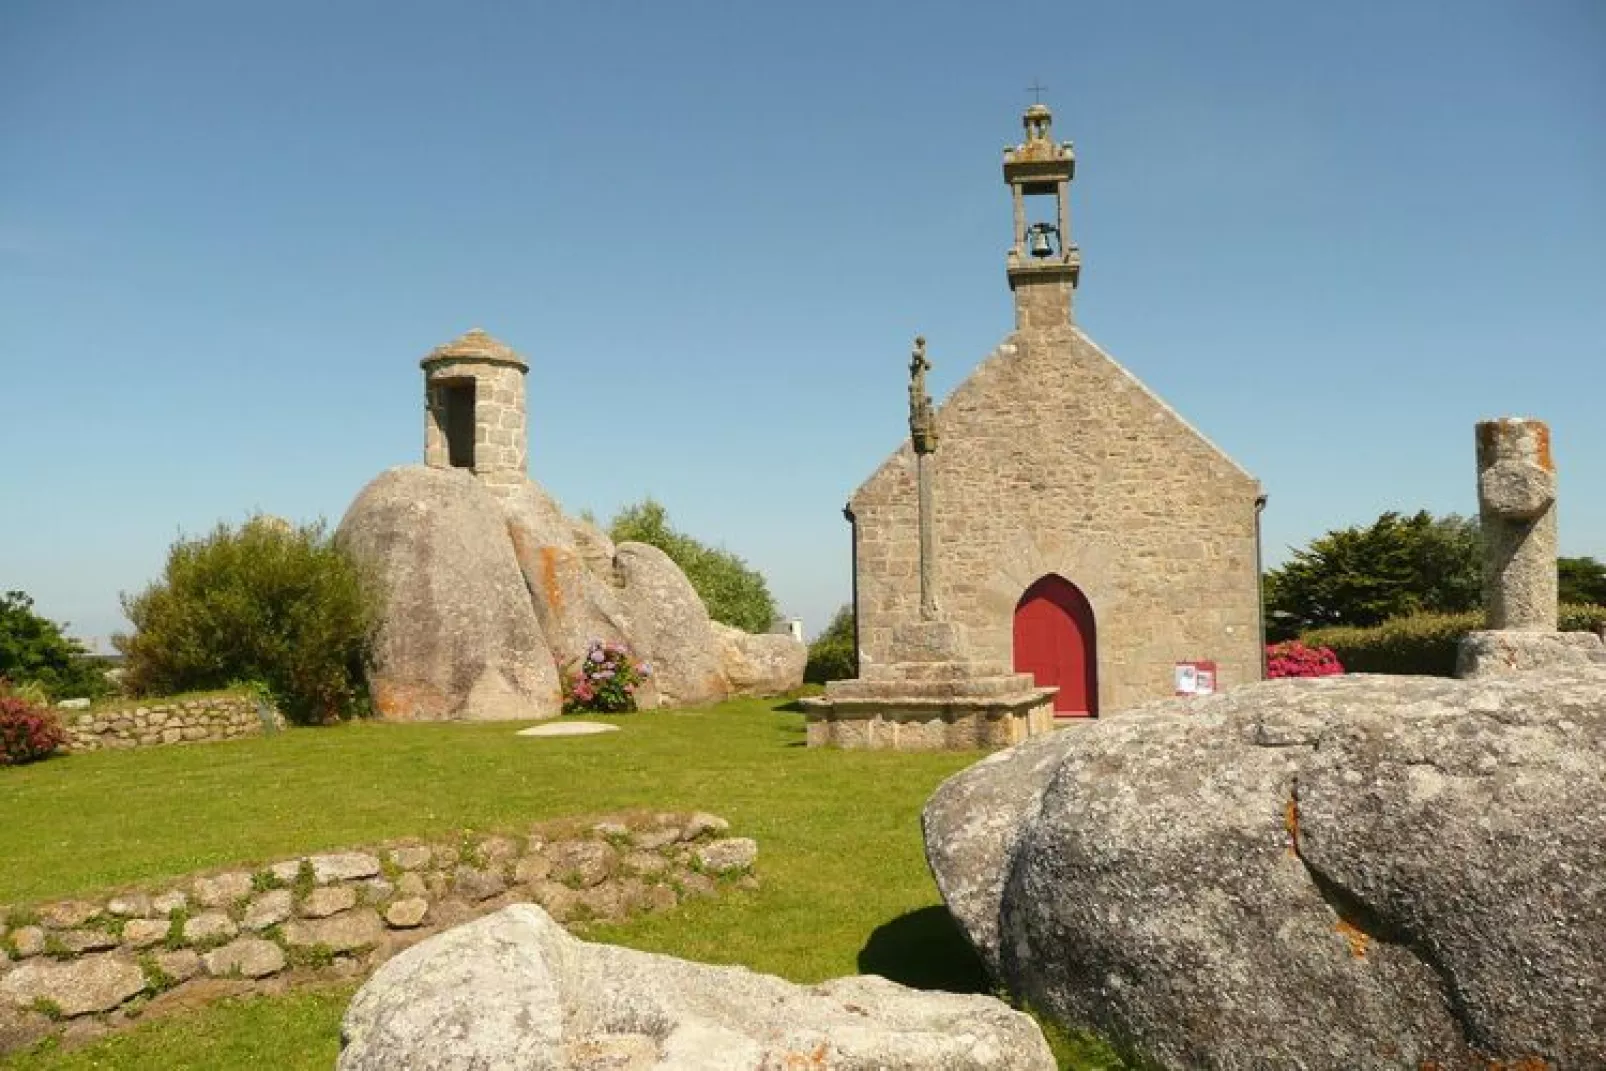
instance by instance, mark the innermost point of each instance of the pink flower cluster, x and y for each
(1294, 659)
(604, 680)
(27, 732)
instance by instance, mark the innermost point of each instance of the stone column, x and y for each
(1517, 507)
(928, 550)
(1062, 194)
(923, 437)
(1019, 248)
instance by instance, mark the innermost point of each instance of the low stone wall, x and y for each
(164, 721)
(87, 966)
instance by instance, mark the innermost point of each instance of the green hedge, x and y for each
(1423, 643)
(832, 655)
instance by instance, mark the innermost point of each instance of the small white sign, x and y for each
(1187, 678)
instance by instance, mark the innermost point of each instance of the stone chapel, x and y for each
(1080, 529)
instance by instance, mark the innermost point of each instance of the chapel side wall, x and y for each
(1055, 460)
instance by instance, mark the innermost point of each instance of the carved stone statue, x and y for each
(922, 418)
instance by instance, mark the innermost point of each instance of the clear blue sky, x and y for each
(1332, 235)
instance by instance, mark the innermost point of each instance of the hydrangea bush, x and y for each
(1295, 659)
(27, 732)
(604, 680)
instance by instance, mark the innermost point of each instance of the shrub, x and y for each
(34, 650)
(1583, 618)
(1291, 658)
(1582, 581)
(733, 592)
(27, 732)
(832, 656)
(1416, 644)
(271, 602)
(1424, 643)
(1367, 574)
(604, 681)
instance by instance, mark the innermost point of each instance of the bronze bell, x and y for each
(1042, 246)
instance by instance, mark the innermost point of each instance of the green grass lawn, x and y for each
(845, 885)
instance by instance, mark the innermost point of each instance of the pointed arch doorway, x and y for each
(1055, 641)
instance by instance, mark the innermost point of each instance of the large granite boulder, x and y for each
(515, 990)
(668, 626)
(458, 637)
(489, 594)
(573, 604)
(760, 664)
(1348, 872)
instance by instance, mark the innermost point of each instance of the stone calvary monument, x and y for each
(490, 589)
(1071, 543)
(934, 696)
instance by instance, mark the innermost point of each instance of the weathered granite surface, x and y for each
(760, 665)
(458, 637)
(1492, 653)
(515, 990)
(1334, 873)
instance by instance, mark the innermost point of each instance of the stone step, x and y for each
(1001, 687)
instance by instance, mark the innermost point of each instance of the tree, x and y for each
(1582, 581)
(267, 602)
(1365, 575)
(734, 593)
(832, 655)
(35, 650)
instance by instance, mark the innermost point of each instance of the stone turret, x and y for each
(474, 406)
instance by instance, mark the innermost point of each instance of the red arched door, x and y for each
(1054, 642)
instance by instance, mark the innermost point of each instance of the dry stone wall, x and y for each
(93, 964)
(166, 721)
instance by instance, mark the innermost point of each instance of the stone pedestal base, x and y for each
(1501, 653)
(930, 641)
(929, 706)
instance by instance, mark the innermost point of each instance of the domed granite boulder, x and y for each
(489, 594)
(572, 603)
(458, 637)
(1337, 873)
(760, 665)
(668, 627)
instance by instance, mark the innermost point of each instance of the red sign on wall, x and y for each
(1196, 678)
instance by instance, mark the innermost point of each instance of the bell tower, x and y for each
(1043, 263)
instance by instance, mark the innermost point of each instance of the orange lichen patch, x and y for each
(1356, 937)
(1525, 1063)
(1501, 437)
(394, 701)
(1291, 823)
(549, 579)
(810, 1061)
